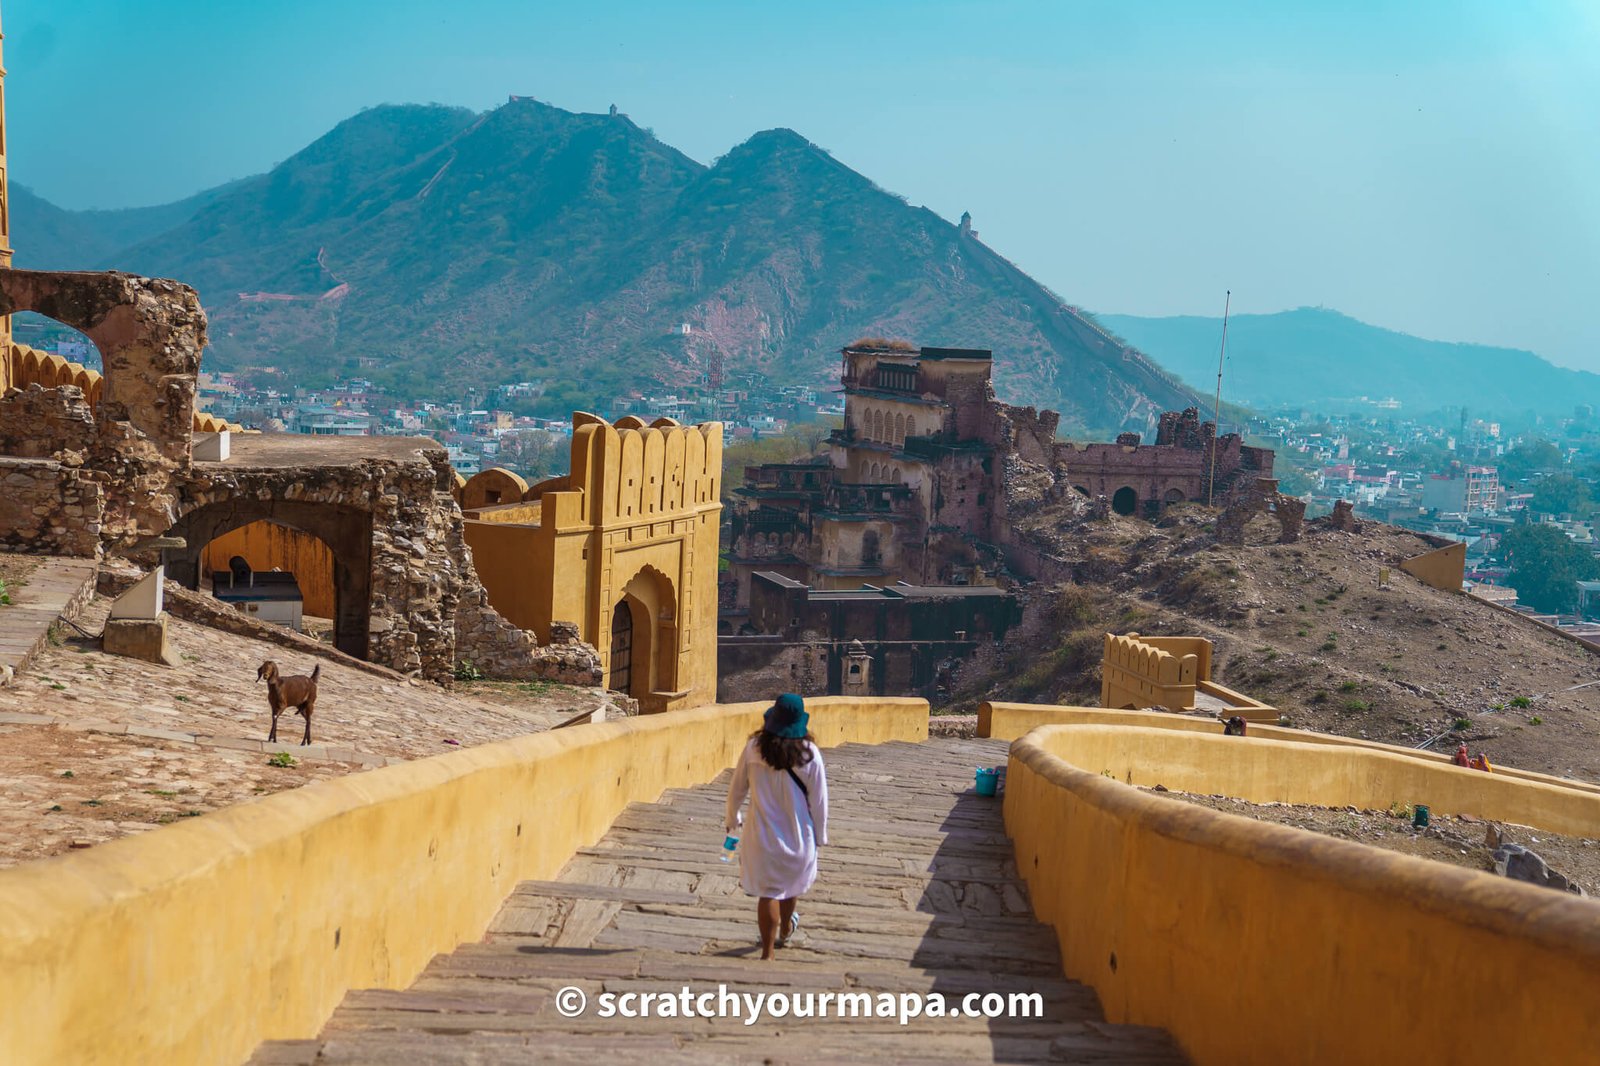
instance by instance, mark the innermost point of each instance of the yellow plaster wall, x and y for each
(1263, 770)
(1138, 673)
(486, 488)
(1443, 568)
(1257, 943)
(1008, 721)
(194, 942)
(640, 510)
(270, 546)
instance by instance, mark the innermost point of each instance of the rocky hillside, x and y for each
(1307, 628)
(428, 244)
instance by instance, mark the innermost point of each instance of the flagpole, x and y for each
(1216, 411)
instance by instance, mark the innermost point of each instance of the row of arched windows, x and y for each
(888, 428)
(882, 474)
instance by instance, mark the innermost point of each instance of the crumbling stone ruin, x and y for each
(1343, 517)
(1187, 463)
(1262, 497)
(100, 465)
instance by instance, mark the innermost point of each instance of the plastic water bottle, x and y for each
(729, 843)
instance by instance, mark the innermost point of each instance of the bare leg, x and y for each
(785, 912)
(767, 920)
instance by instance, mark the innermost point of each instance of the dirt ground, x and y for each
(73, 779)
(1459, 841)
(1313, 630)
(14, 570)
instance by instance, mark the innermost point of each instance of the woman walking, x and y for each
(781, 771)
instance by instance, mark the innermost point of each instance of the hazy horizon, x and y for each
(1422, 169)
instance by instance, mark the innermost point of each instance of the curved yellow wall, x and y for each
(1258, 943)
(1008, 721)
(194, 942)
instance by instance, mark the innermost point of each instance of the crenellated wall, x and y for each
(625, 547)
(1170, 672)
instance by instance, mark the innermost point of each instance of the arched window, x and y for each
(911, 425)
(899, 429)
(869, 548)
(894, 475)
(877, 425)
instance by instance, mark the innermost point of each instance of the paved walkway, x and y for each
(917, 894)
(56, 587)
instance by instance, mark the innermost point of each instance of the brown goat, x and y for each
(298, 692)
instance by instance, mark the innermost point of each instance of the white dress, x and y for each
(778, 847)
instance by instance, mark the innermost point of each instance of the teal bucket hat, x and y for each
(787, 717)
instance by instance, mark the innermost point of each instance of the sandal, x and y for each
(794, 927)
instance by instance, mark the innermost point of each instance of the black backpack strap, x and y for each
(803, 791)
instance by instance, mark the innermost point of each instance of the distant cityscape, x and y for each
(1447, 481)
(1465, 482)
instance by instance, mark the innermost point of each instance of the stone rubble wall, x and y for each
(40, 423)
(49, 507)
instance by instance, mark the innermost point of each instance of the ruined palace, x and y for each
(624, 547)
(1187, 463)
(118, 463)
(916, 487)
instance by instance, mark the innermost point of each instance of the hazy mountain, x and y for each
(79, 240)
(438, 249)
(1315, 356)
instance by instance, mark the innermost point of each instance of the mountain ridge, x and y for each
(1315, 355)
(532, 243)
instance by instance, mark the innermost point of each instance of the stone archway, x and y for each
(1125, 500)
(346, 530)
(150, 333)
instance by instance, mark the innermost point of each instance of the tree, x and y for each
(1546, 565)
(1529, 457)
(1561, 494)
(800, 440)
(535, 454)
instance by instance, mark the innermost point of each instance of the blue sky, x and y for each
(1430, 167)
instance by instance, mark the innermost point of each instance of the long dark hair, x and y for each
(783, 753)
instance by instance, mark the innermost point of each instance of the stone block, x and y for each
(139, 638)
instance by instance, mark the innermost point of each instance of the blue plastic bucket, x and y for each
(988, 778)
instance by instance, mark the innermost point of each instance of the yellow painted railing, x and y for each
(1008, 721)
(1258, 943)
(194, 942)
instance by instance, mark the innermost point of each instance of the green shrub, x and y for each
(283, 758)
(1462, 723)
(1521, 701)
(1349, 686)
(1536, 720)
(465, 671)
(1357, 706)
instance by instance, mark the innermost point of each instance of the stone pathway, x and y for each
(54, 588)
(917, 894)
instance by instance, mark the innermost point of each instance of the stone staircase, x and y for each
(917, 894)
